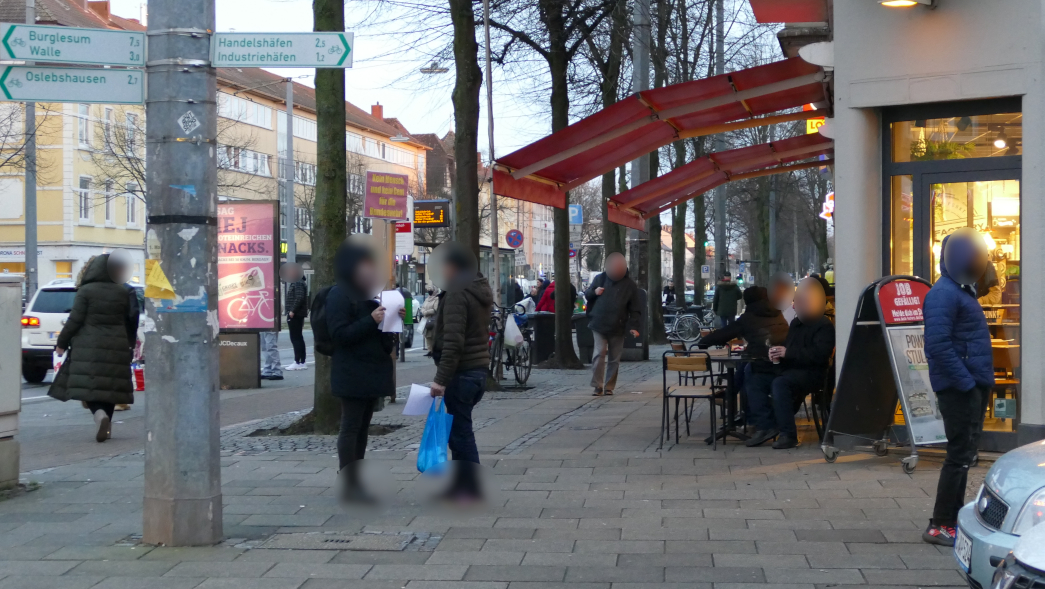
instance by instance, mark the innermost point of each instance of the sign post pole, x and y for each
(31, 261)
(182, 466)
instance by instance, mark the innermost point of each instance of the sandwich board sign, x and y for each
(885, 364)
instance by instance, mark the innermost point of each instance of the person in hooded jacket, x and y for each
(760, 325)
(800, 367)
(724, 303)
(361, 369)
(614, 307)
(460, 348)
(961, 370)
(99, 336)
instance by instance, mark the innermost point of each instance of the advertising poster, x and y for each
(912, 376)
(247, 258)
(386, 196)
(902, 300)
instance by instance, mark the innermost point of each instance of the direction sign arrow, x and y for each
(44, 44)
(64, 84)
(321, 50)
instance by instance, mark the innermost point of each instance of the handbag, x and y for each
(432, 454)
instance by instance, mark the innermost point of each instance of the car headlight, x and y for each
(1033, 513)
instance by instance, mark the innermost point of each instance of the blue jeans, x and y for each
(771, 398)
(462, 394)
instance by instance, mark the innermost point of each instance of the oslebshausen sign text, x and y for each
(43, 44)
(321, 50)
(61, 84)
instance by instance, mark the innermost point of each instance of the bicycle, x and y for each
(687, 325)
(520, 357)
(256, 302)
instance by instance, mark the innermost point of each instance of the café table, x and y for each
(728, 364)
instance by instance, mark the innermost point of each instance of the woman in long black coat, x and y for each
(362, 369)
(99, 336)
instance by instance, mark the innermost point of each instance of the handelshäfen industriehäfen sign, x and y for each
(24, 83)
(43, 44)
(320, 50)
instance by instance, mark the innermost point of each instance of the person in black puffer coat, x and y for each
(361, 369)
(614, 307)
(297, 310)
(760, 325)
(99, 336)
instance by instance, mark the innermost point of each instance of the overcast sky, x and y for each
(423, 108)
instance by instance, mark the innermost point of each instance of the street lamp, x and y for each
(400, 138)
(435, 68)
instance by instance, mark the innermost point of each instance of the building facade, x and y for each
(939, 124)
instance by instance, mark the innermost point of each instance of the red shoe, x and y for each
(939, 535)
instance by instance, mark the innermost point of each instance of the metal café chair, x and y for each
(692, 364)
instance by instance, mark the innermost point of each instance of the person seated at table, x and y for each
(800, 365)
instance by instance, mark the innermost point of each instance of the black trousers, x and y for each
(355, 425)
(462, 395)
(962, 413)
(108, 408)
(295, 325)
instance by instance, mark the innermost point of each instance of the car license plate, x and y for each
(52, 334)
(963, 549)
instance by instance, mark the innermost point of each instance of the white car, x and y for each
(44, 317)
(42, 321)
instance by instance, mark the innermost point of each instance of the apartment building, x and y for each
(91, 193)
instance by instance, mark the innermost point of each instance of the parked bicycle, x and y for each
(687, 324)
(520, 357)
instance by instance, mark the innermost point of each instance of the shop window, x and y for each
(954, 138)
(902, 226)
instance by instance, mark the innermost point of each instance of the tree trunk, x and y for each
(678, 235)
(700, 251)
(610, 230)
(331, 188)
(466, 124)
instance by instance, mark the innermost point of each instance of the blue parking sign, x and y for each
(576, 215)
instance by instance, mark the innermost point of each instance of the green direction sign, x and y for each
(23, 83)
(321, 50)
(72, 45)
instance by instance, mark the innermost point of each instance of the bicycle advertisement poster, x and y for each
(248, 266)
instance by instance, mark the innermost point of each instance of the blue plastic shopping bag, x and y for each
(431, 456)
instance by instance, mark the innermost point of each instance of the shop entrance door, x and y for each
(988, 202)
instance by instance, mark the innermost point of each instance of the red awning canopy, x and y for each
(635, 126)
(632, 207)
(790, 11)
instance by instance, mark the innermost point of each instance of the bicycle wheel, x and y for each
(523, 361)
(496, 349)
(238, 310)
(688, 328)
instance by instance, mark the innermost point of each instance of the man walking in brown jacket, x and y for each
(460, 348)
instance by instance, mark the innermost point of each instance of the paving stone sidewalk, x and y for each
(581, 498)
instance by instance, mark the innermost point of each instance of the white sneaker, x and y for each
(302, 366)
(290, 367)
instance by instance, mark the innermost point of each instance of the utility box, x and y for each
(10, 377)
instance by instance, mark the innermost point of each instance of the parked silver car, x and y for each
(1010, 503)
(1025, 567)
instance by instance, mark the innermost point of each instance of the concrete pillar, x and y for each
(858, 211)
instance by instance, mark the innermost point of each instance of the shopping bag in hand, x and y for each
(57, 360)
(431, 456)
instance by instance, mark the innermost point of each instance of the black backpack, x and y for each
(322, 342)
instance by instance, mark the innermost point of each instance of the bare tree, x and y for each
(13, 138)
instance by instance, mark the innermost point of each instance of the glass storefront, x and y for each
(947, 169)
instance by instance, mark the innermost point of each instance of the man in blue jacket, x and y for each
(961, 370)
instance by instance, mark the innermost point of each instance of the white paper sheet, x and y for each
(419, 402)
(392, 301)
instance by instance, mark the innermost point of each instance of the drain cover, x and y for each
(324, 541)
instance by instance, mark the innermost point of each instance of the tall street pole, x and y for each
(495, 237)
(288, 181)
(32, 275)
(773, 260)
(721, 257)
(639, 82)
(182, 467)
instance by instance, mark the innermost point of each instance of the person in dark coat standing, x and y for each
(297, 310)
(801, 362)
(961, 370)
(99, 336)
(614, 307)
(727, 295)
(361, 369)
(461, 352)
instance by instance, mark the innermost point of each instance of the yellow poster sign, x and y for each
(156, 284)
(813, 125)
